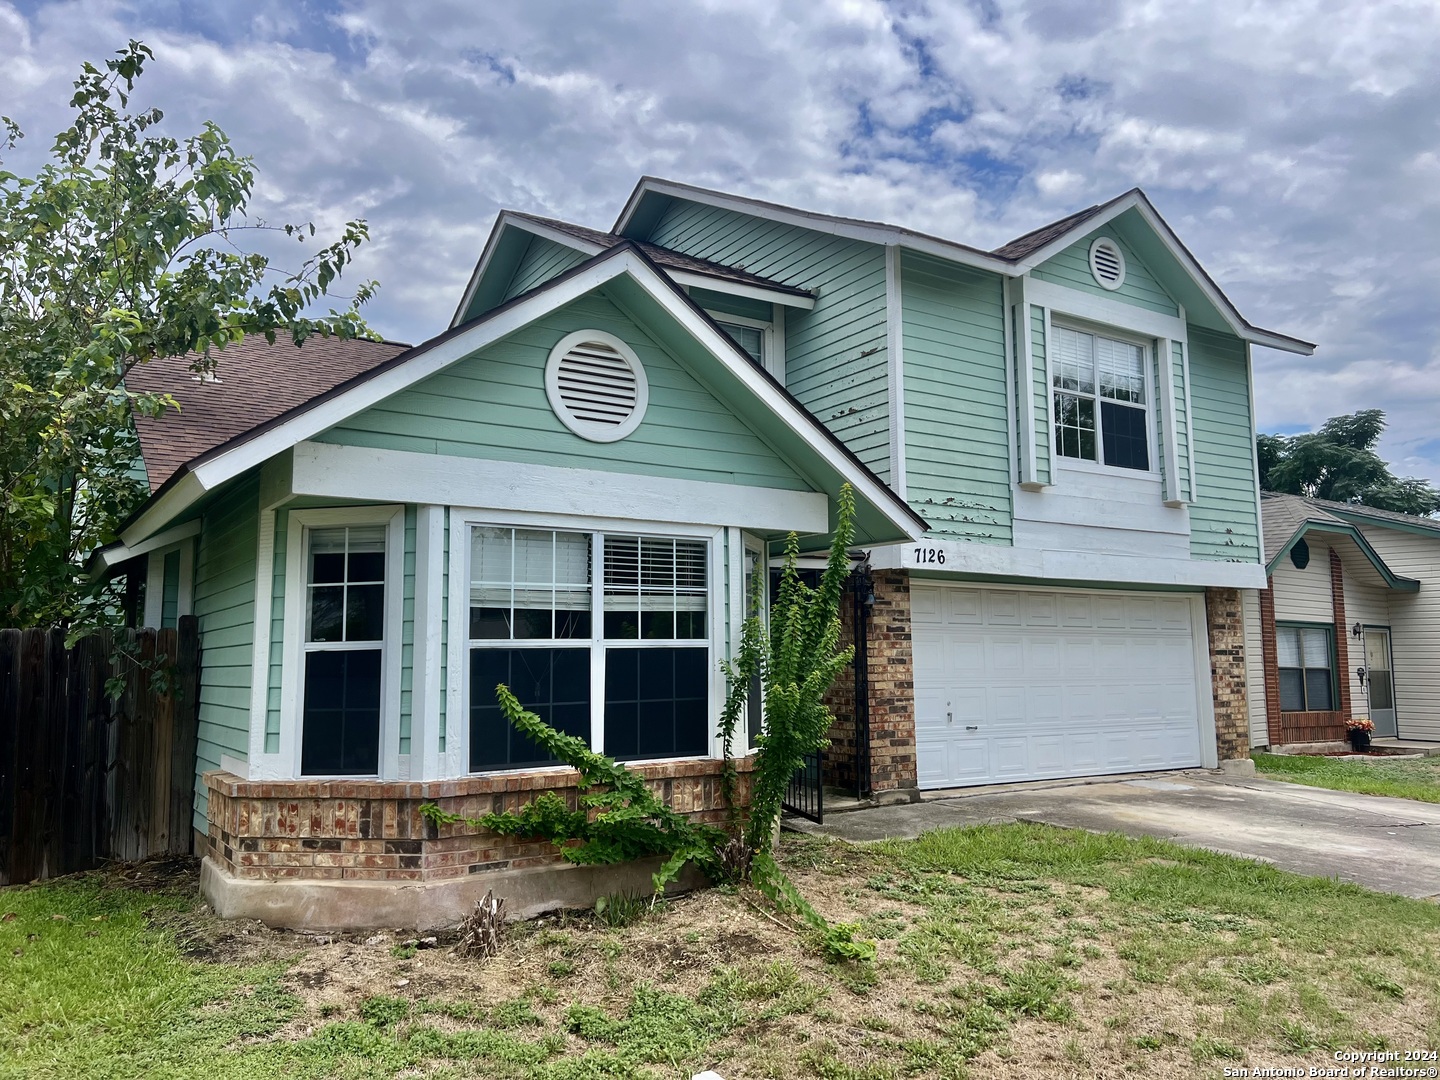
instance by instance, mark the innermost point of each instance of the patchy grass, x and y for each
(1001, 951)
(1411, 778)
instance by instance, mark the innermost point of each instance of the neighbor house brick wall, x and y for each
(1270, 658)
(1342, 634)
(373, 830)
(1226, 627)
(891, 672)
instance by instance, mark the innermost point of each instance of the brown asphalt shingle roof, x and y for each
(1036, 239)
(1281, 516)
(671, 260)
(256, 382)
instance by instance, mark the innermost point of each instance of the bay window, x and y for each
(604, 635)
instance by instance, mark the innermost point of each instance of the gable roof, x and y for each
(1286, 519)
(1013, 259)
(1373, 515)
(229, 459)
(254, 383)
(1036, 239)
(685, 269)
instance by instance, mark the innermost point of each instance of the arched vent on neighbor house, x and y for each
(596, 385)
(1107, 263)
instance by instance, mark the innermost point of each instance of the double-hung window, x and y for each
(1303, 657)
(344, 612)
(605, 636)
(1101, 412)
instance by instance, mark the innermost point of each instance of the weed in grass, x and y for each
(561, 968)
(404, 950)
(384, 1011)
(1298, 1038)
(1207, 1049)
(542, 993)
(824, 1062)
(877, 1023)
(1261, 972)
(513, 1014)
(1380, 983)
(621, 909)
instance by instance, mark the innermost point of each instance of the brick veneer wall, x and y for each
(1342, 634)
(1270, 661)
(373, 830)
(1226, 631)
(892, 692)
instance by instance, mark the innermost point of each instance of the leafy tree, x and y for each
(1339, 463)
(124, 248)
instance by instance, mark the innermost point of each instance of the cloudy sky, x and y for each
(1293, 144)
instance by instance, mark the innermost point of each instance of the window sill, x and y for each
(1094, 468)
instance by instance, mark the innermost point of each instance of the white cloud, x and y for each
(1293, 144)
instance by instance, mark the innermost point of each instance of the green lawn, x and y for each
(1409, 778)
(1003, 951)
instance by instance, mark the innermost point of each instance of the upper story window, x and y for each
(1101, 403)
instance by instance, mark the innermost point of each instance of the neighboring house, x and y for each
(1349, 626)
(1051, 445)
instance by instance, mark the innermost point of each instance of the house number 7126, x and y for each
(925, 555)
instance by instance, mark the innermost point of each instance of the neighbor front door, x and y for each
(1380, 679)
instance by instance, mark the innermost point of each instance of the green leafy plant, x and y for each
(126, 247)
(618, 817)
(620, 909)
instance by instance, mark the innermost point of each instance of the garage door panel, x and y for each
(1055, 683)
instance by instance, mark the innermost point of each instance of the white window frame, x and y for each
(772, 337)
(456, 761)
(1058, 321)
(155, 582)
(293, 659)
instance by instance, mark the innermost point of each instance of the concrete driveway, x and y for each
(1392, 845)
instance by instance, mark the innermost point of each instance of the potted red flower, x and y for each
(1357, 730)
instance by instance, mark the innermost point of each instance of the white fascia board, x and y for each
(113, 556)
(426, 360)
(1135, 201)
(1103, 310)
(868, 231)
(690, 278)
(962, 557)
(137, 538)
(326, 470)
(694, 280)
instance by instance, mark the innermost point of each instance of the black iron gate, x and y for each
(806, 794)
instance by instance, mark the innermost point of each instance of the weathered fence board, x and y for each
(84, 777)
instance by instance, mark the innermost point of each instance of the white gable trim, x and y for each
(878, 233)
(1137, 201)
(689, 279)
(872, 232)
(427, 359)
(326, 470)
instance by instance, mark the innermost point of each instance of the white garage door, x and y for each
(1014, 684)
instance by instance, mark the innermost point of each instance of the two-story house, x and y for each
(1051, 446)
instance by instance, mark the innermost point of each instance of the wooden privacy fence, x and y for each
(84, 778)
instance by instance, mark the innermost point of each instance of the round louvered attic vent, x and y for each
(596, 385)
(1107, 263)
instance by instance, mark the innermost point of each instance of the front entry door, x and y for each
(1381, 680)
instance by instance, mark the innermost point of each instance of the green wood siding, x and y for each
(225, 608)
(733, 305)
(1223, 524)
(1040, 387)
(493, 405)
(835, 354)
(407, 632)
(956, 453)
(543, 260)
(1071, 267)
(170, 597)
(1182, 417)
